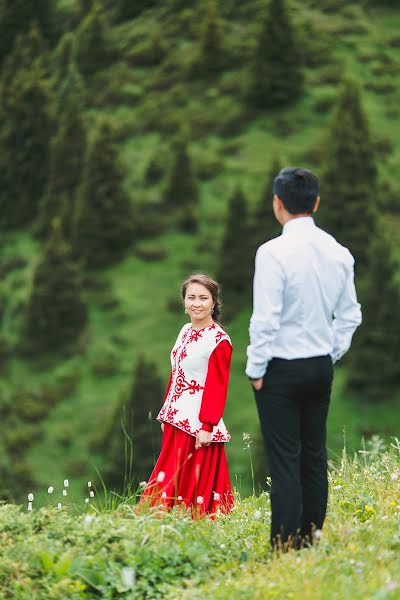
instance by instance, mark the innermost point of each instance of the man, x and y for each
(304, 315)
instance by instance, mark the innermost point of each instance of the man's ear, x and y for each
(316, 204)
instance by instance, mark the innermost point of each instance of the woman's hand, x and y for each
(162, 427)
(203, 438)
(257, 384)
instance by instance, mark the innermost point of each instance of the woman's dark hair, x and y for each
(211, 285)
(297, 188)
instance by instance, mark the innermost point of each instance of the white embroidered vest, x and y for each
(189, 360)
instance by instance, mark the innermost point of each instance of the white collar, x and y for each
(297, 223)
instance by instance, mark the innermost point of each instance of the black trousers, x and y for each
(293, 407)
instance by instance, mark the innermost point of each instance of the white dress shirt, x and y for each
(304, 299)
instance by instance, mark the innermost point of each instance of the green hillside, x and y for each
(57, 408)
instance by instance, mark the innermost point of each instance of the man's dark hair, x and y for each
(297, 188)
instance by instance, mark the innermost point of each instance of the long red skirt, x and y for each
(195, 479)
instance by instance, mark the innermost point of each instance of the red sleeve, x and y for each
(168, 387)
(216, 386)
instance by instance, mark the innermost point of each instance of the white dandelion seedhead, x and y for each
(66, 483)
(89, 484)
(59, 505)
(29, 505)
(91, 494)
(50, 490)
(87, 500)
(30, 497)
(217, 497)
(179, 498)
(65, 492)
(200, 499)
(161, 477)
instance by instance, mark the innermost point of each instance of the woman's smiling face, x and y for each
(198, 303)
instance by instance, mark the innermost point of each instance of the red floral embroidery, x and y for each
(219, 336)
(196, 335)
(218, 436)
(181, 385)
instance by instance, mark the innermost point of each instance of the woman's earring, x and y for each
(212, 310)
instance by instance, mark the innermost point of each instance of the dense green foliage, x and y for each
(92, 48)
(54, 553)
(133, 440)
(276, 78)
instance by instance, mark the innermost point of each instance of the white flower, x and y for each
(88, 519)
(59, 505)
(161, 477)
(337, 487)
(30, 497)
(216, 497)
(199, 499)
(318, 534)
(65, 492)
(246, 437)
(66, 483)
(91, 494)
(394, 477)
(222, 546)
(87, 500)
(164, 495)
(128, 577)
(89, 484)
(29, 505)
(257, 515)
(142, 484)
(50, 490)
(179, 498)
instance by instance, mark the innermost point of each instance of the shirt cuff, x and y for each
(207, 427)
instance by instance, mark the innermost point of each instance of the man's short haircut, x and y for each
(297, 188)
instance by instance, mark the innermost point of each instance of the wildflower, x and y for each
(161, 477)
(318, 534)
(394, 477)
(66, 483)
(88, 519)
(179, 498)
(393, 503)
(50, 490)
(246, 437)
(59, 505)
(216, 497)
(87, 500)
(65, 492)
(369, 508)
(164, 495)
(30, 497)
(91, 494)
(89, 484)
(199, 499)
(128, 577)
(222, 546)
(257, 515)
(29, 505)
(337, 487)
(142, 484)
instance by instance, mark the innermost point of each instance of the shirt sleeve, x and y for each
(216, 386)
(346, 317)
(268, 289)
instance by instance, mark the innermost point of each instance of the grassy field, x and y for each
(129, 304)
(112, 551)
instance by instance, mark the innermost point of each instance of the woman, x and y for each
(192, 468)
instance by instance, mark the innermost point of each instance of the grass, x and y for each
(112, 551)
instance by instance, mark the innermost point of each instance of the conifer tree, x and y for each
(25, 130)
(92, 51)
(104, 221)
(212, 52)
(16, 17)
(68, 150)
(374, 360)
(276, 73)
(56, 313)
(181, 194)
(348, 190)
(134, 438)
(265, 226)
(235, 265)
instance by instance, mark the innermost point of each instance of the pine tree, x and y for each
(92, 51)
(235, 265)
(16, 17)
(56, 313)
(134, 438)
(67, 155)
(104, 222)
(181, 193)
(374, 360)
(265, 226)
(349, 188)
(129, 9)
(25, 131)
(276, 74)
(212, 51)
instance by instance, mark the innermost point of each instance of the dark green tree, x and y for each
(92, 49)
(129, 9)
(104, 224)
(68, 151)
(134, 437)
(265, 226)
(212, 54)
(374, 359)
(235, 265)
(181, 195)
(56, 312)
(16, 17)
(349, 179)
(276, 71)
(25, 131)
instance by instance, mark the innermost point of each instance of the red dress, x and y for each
(197, 479)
